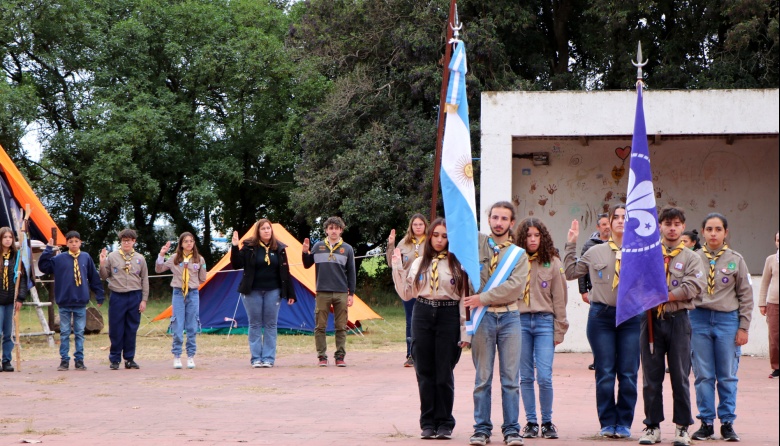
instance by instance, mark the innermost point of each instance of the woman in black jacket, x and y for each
(265, 283)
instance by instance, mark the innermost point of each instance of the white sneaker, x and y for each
(681, 436)
(190, 362)
(257, 365)
(176, 363)
(266, 365)
(652, 435)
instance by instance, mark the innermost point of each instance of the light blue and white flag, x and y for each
(500, 275)
(642, 283)
(457, 173)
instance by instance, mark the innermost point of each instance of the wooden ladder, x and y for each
(45, 330)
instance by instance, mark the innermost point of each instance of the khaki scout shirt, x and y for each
(513, 287)
(733, 287)
(119, 281)
(548, 294)
(599, 262)
(197, 271)
(686, 280)
(410, 284)
(407, 252)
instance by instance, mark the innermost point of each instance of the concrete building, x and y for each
(561, 156)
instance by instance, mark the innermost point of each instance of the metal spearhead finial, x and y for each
(457, 26)
(639, 64)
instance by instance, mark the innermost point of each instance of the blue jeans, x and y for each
(185, 317)
(408, 308)
(538, 348)
(615, 355)
(7, 330)
(715, 357)
(497, 331)
(262, 309)
(79, 315)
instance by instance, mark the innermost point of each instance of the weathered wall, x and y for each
(698, 175)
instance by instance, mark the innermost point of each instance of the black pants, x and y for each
(435, 337)
(672, 336)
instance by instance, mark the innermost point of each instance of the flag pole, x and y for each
(640, 82)
(451, 25)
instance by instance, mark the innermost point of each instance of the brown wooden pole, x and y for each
(440, 131)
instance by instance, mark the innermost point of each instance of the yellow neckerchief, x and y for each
(185, 275)
(527, 292)
(417, 245)
(616, 250)
(6, 262)
(669, 254)
(127, 258)
(333, 249)
(711, 276)
(496, 250)
(435, 271)
(267, 249)
(76, 269)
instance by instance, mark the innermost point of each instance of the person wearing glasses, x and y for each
(128, 279)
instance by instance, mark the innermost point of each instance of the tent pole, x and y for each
(234, 316)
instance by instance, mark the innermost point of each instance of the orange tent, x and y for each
(306, 277)
(24, 195)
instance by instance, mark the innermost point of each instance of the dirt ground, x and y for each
(373, 401)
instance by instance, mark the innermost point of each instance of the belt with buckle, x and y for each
(502, 308)
(438, 302)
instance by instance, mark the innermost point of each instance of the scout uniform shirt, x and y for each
(733, 286)
(412, 284)
(136, 277)
(197, 271)
(548, 294)
(408, 251)
(511, 290)
(599, 262)
(687, 278)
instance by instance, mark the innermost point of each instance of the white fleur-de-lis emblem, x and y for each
(641, 200)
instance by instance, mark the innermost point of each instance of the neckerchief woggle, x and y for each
(499, 276)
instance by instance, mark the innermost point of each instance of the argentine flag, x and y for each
(457, 173)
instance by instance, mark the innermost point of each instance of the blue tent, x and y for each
(220, 300)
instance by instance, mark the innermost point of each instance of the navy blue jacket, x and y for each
(66, 293)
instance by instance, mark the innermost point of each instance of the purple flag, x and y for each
(642, 278)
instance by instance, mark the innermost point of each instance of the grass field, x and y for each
(154, 343)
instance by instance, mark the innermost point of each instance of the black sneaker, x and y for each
(531, 430)
(513, 439)
(114, 366)
(549, 430)
(444, 433)
(592, 367)
(80, 365)
(775, 374)
(727, 432)
(428, 433)
(63, 366)
(705, 432)
(479, 439)
(130, 364)
(7, 367)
